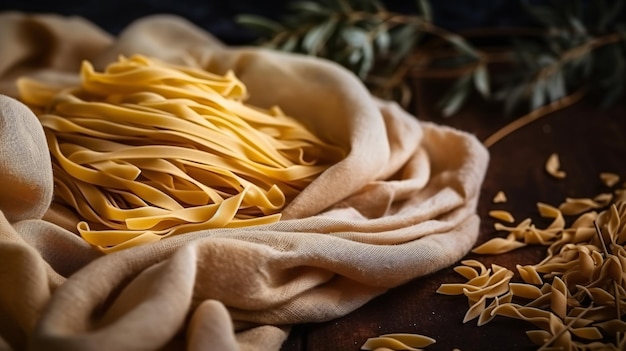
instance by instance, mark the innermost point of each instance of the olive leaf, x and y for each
(382, 40)
(404, 39)
(606, 14)
(456, 96)
(538, 97)
(259, 23)
(425, 10)
(481, 80)
(315, 38)
(311, 7)
(583, 43)
(289, 44)
(544, 14)
(513, 97)
(462, 45)
(363, 54)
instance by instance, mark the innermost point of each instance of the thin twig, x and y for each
(577, 52)
(615, 288)
(556, 105)
(601, 237)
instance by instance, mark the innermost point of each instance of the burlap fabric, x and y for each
(400, 205)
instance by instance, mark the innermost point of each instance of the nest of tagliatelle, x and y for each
(146, 150)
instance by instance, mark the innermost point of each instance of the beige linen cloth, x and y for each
(400, 205)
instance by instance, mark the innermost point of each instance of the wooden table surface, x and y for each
(588, 141)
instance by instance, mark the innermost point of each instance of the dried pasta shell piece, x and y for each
(539, 236)
(603, 199)
(502, 215)
(413, 340)
(455, 289)
(585, 220)
(558, 302)
(620, 195)
(481, 280)
(548, 211)
(612, 326)
(577, 322)
(526, 291)
(497, 285)
(499, 198)
(609, 179)
(386, 342)
(487, 315)
(475, 264)
(518, 231)
(498, 246)
(538, 337)
(467, 272)
(589, 333)
(535, 316)
(476, 309)
(599, 296)
(610, 220)
(553, 166)
(529, 274)
(576, 206)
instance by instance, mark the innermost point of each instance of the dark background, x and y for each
(217, 16)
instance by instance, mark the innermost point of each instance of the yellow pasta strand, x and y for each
(145, 150)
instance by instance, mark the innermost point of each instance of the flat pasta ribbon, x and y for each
(145, 150)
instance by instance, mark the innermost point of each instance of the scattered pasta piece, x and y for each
(576, 206)
(553, 166)
(576, 296)
(497, 246)
(499, 198)
(502, 215)
(609, 179)
(399, 341)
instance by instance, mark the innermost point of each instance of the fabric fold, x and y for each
(402, 204)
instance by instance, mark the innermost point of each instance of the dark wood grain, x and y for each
(588, 141)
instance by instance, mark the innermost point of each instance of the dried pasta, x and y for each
(499, 198)
(576, 296)
(575, 206)
(553, 167)
(609, 179)
(502, 215)
(145, 150)
(398, 341)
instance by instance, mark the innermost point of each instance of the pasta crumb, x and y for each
(553, 165)
(499, 198)
(609, 179)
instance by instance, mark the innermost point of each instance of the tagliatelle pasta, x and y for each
(145, 150)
